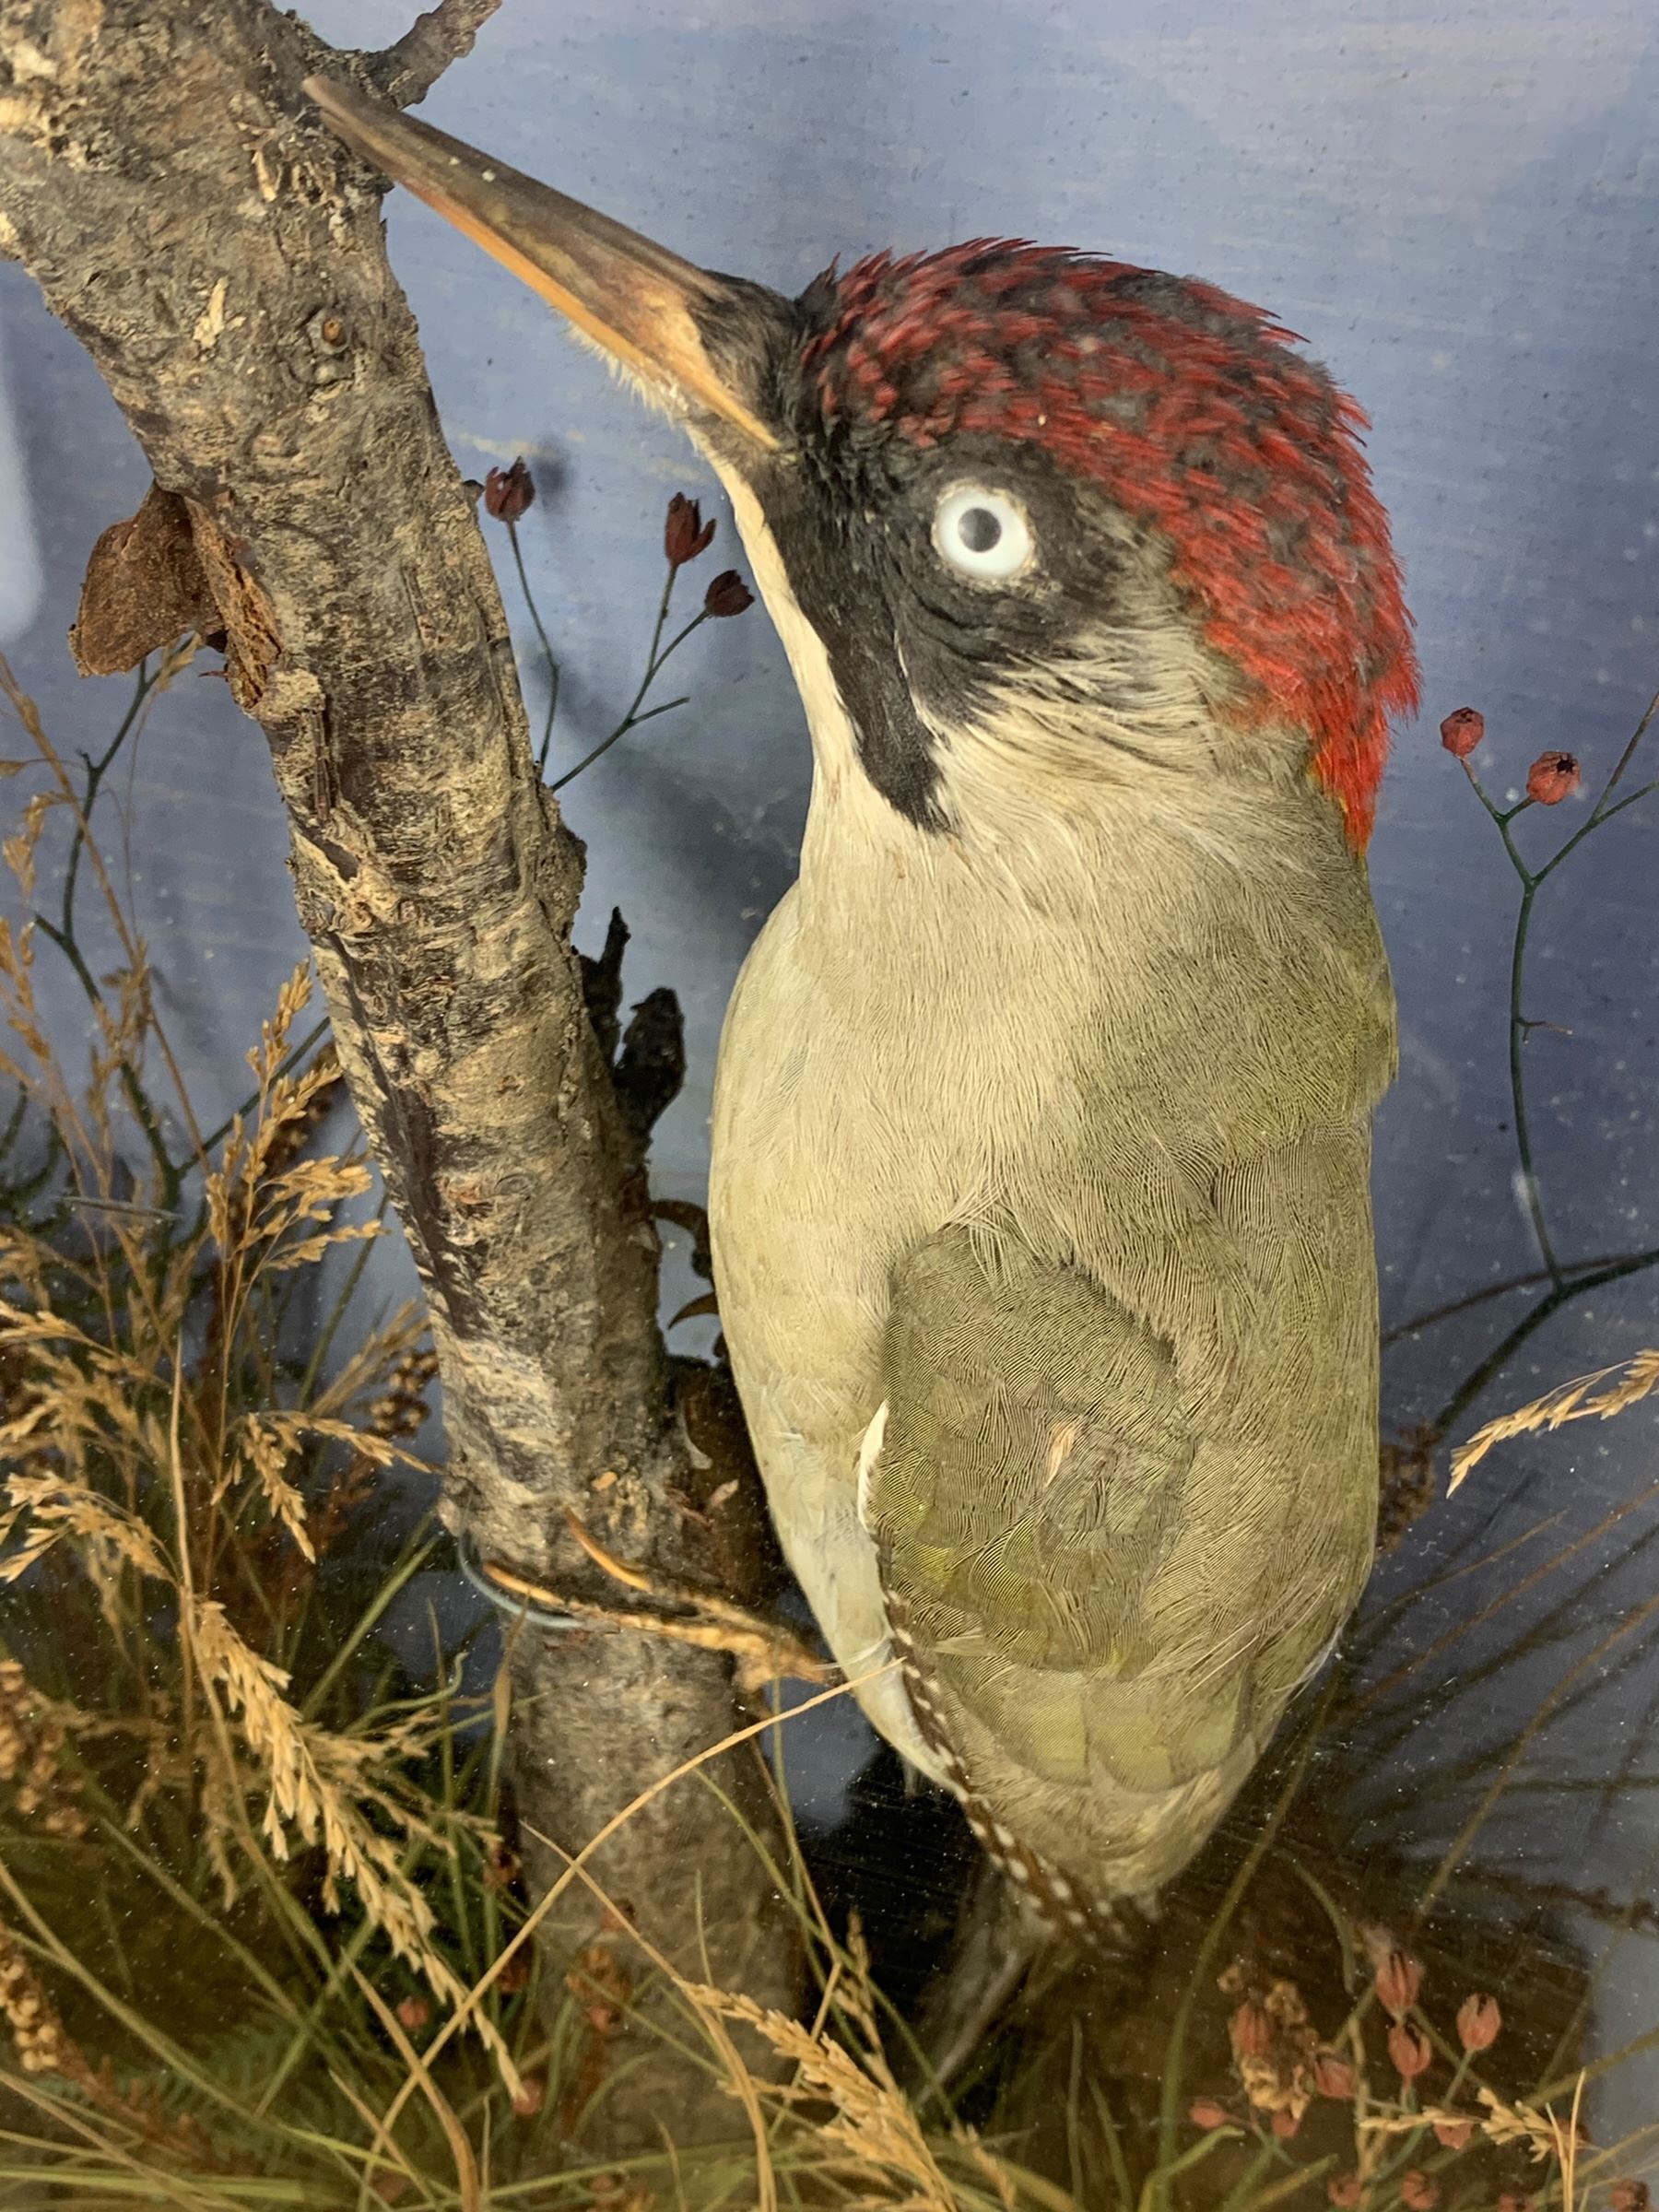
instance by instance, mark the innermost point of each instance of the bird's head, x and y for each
(1017, 511)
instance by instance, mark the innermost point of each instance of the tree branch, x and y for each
(219, 254)
(406, 72)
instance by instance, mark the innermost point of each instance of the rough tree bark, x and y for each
(220, 257)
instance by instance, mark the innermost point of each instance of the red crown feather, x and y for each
(1190, 411)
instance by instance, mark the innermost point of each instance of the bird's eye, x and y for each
(982, 533)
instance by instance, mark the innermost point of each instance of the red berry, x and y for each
(1552, 778)
(1462, 731)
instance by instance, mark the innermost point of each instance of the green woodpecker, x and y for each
(1039, 1200)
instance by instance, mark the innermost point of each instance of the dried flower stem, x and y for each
(1506, 1288)
(30, 719)
(546, 645)
(1560, 1295)
(1565, 1284)
(1532, 880)
(62, 933)
(655, 659)
(1518, 1025)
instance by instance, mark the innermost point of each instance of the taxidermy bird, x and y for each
(1039, 1201)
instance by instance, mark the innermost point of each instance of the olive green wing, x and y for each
(1116, 1582)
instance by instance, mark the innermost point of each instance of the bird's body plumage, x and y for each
(1039, 1197)
(1090, 1277)
(1040, 1189)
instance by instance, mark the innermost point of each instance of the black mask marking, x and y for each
(836, 568)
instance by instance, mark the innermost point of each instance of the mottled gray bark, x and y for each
(220, 255)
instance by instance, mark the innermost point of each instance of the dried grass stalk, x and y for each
(871, 2139)
(1632, 1380)
(154, 1454)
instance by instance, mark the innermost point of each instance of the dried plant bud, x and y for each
(1251, 2031)
(728, 594)
(684, 533)
(1418, 2193)
(502, 1866)
(1630, 2197)
(530, 2096)
(413, 2014)
(1411, 2048)
(1208, 2113)
(1286, 2121)
(1346, 2189)
(1552, 778)
(1462, 731)
(1478, 2022)
(509, 491)
(600, 1983)
(1399, 1978)
(1454, 2134)
(1333, 2075)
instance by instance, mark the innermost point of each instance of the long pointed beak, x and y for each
(631, 297)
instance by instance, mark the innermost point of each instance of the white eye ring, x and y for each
(982, 533)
